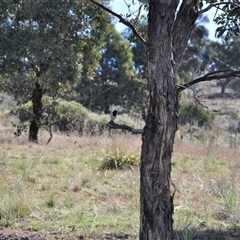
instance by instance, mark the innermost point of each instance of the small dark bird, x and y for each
(113, 115)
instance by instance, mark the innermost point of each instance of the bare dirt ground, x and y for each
(6, 234)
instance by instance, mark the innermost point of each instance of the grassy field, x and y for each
(61, 191)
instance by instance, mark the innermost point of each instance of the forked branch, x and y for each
(217, 4)
(122, 20)
(216, 75)
(114, 125)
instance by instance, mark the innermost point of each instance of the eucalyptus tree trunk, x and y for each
(37, 102)
(168, 34)
(37, 112)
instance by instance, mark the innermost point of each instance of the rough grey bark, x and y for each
(37, 103)
(168, 36)
(37, 112)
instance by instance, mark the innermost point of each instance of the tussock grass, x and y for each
(60, 187)
(117, 158)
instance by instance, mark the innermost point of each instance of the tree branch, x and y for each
(185, 19)
(216, 75)
(217, 4)
(122, 20)
(114, 125)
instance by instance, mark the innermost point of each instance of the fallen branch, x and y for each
(114, 125)
(121, 19)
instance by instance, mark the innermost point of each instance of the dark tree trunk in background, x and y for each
(168, 33)
(37, 112)
(224, 85)
(37, 102)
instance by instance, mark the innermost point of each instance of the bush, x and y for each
(195, 115)
(66, 116)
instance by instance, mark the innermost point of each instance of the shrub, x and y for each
(66, 116)
(195, 115)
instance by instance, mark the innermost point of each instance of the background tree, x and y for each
(46, 47)
(114, 82)
(139, 56)
(197, 55)
(225, 55)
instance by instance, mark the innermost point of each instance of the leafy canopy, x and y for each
(46, 41)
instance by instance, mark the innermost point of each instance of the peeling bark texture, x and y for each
(156, 201)
(37, 111)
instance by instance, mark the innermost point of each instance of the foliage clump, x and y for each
(68, 116)
(195, 115)
(65, 116)
(118, 159)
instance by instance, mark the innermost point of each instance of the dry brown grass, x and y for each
(59, 187)
(208, 179)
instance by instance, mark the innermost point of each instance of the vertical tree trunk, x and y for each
(37, 111)
(156, 206)
(224, 84)
(169, 30)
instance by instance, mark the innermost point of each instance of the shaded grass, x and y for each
(59, 188)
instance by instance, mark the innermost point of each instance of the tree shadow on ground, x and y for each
(207, 234)
(183, 234)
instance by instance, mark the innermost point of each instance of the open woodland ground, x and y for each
(58, 191)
